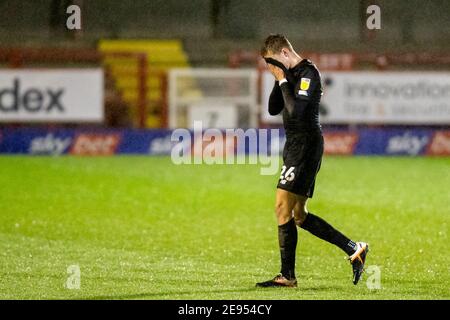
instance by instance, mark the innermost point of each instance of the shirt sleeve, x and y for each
(307, 84)
(276, 102)
(296, 101)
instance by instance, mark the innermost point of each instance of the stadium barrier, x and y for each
(365, 141)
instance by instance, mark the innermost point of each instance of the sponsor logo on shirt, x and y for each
(304, 83)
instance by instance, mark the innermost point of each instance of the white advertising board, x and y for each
(62, 95)
(379, 97)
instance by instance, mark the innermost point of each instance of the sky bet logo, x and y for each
(32, 100)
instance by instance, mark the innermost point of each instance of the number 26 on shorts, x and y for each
(287, 175)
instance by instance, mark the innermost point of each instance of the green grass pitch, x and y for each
(143, 228)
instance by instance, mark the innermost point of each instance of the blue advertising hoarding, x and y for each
(378, 141)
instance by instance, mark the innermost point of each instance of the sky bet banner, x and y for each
(69, 95)
(378, 98)
(161, 142)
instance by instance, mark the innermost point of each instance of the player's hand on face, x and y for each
(277, 72)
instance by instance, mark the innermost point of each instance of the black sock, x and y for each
(287, 238)
(320, 228)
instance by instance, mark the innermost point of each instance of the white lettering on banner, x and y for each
(411, 90)
(56, 95)
(406, 143)
(49, 145)
(161, 145)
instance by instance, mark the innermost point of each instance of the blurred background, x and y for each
(134, 71)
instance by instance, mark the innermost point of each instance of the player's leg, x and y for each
(287, 239)
(322, 229)
(287, 231)
(300, 210)
(284, 205)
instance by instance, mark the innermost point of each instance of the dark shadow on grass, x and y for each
(181, 293)
(165, 294)
(319, 288)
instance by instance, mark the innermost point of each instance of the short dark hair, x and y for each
(274, 43)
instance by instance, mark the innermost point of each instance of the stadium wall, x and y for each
(404, 21)
(366, 141)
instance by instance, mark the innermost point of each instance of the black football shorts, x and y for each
(302, 156)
